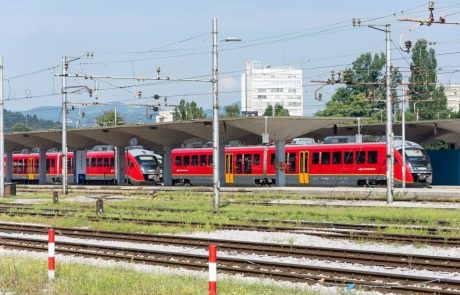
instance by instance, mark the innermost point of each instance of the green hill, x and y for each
(15, 121)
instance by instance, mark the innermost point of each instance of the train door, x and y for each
(30, 169)
(304, 177)
(229, 169)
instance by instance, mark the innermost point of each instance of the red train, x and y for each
(141, 166)
(347, 164)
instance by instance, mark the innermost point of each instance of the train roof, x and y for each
(141, 152)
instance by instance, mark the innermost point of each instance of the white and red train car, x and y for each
(346, 164)
(141, 167)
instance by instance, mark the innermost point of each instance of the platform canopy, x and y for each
(424, 132)
(247, 130)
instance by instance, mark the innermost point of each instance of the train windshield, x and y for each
(417, 155)
(147, 162)
(417, 158)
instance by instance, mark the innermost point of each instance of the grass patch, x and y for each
(29, 276)
(199, 209)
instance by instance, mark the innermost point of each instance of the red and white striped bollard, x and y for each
(212, 269)
(51, 245)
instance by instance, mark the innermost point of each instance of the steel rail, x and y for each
(400, 283)
(323, 232)
(387, 259)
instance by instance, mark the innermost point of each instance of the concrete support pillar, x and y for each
(281, 160)
(120, 161)
(9, 166)
(42, 166)
(222, 164)
(167, 165)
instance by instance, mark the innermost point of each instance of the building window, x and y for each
(262, 96)
(292, 90)
(262, 90)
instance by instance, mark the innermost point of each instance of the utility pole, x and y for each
(215, 120)
(2, 139)
(389, 128)
(65, 66)
(403, 133)
(115, 119)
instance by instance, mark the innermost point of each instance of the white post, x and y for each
(359, 138)
(2, 139)
(64, 125)
(115, 119)
(389, 127)
(403, 133)
(215, 119)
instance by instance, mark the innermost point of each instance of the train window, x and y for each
(48, 165)
(178, 160)
(325, 158)
(87, 162)
(195, 160)
(99, 162)
(202, 160)
(337, 158)
(106, 162)
(372, 157)
(360, 157)
(315, 158)
(69, 165)
(239, 163)
(292, 161)
(53, 163)
(247, 163)
(186, 160)
(272, 159)
(37, 167)
(111, 162)
(209, 160)
(257, 159)
(348, 157)
(93, 162)
(15, 166)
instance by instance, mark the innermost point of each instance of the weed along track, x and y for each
(387, 259)
(322, 229)
(398, 283)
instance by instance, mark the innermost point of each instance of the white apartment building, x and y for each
(164, 116)
(264, 86)
(453, 96)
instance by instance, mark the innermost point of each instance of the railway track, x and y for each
(336, 193)
(311, 224)
(386, 282)
(387, 259)
(359, 234)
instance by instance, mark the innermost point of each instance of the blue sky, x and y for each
(133, 38)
